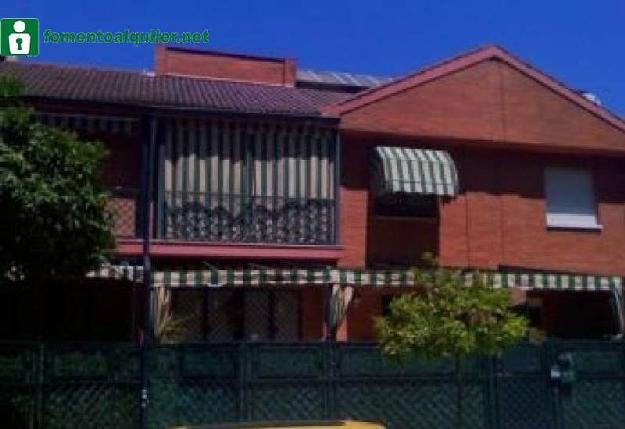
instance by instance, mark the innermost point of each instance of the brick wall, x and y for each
(368, 239)
(488, 102)
(502, 129)
(498, 219)
(354, 200)
(218, 65)
(367, 305)
(312, 321)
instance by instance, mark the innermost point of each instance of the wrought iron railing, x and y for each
(249, 219)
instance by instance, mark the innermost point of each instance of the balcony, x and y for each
(124, 203)
(226, 226)
(226, 188)
(194, 216)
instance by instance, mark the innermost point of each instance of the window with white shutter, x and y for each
(570, 198)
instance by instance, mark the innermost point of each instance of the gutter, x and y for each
(154, 109)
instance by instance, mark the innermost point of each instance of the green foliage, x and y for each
(449, 319)
(172, 329)
(54, 216)
(10, 87)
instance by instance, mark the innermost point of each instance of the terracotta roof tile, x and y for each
(116, 86)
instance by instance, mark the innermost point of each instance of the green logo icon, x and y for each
(19, 36)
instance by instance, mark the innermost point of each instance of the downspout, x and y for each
(147, 192)
(149, 162)
(337, 189)
(331, 327)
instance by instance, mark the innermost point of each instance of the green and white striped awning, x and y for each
(417, 171)
(90, 123)
(258, 277)
(349, 277)
(552, 281)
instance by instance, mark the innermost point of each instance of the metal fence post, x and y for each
(39, 373)
(492, 402)
(241, 382)
(331, 381)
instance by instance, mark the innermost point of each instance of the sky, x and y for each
(581, 43)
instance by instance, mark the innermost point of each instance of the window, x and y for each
(386, 304)
(570, 198)
(407, 205)
(234, 315)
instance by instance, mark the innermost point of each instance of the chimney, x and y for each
(219, 65)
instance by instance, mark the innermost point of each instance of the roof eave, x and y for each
(148, 108)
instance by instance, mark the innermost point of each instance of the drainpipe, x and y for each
(147, 192)
(337, 189)
(330, 332)
(149, 163)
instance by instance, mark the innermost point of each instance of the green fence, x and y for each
(99, 385)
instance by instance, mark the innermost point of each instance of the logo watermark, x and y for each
(126, 36)
(19, 36)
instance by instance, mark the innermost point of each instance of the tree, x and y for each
(448, 318)
(54, 221)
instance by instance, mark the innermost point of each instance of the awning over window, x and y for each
(350, 277)
(417, 171)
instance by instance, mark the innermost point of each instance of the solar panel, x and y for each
(340, 78)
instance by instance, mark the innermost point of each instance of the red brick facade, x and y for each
(504, 208)
(498, 219)
(502, 126)
(502, 129)
(217, 65)
(502, 122)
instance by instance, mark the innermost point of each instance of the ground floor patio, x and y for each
(204, 303)
(210, 344)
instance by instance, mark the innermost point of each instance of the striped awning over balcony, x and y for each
(247, 181)
(414, 171)
(90, 123)
(350, 277)
(224, 158)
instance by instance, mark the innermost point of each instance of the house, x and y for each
(260, 201)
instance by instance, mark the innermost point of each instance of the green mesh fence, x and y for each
(597, 398)
(18, 384)
(98, 385)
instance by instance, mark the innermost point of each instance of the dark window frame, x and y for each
(235, 308)
(424, 206)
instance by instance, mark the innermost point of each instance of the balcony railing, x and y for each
(244, 219)
(125, 205)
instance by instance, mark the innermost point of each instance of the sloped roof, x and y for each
(461, 62)
(341, 79)
(136, 88)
